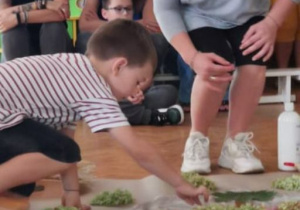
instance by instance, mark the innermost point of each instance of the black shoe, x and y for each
(173, 116)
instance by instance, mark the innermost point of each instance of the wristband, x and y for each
(18, 16)
(193, 60)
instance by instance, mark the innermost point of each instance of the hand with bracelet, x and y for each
(261, 36)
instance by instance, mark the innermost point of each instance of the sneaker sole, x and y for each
(227, 165)
(179, 108)
(198, 170)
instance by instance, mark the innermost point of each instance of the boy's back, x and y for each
(56, 90)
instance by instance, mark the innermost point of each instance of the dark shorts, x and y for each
(31, 136)
(225, 42)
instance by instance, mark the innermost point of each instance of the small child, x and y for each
(43, 95)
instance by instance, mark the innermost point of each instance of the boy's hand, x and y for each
(190, 194)
(72, 199)
(261, 36)
(137, 98)
(212, 68)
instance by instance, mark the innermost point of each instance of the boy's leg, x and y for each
(28, 168)
(29, 147)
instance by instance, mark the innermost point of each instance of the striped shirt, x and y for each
(56, 90)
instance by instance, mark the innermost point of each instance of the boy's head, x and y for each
(117, 9)
(123, 51)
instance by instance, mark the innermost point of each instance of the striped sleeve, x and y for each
(101, 113)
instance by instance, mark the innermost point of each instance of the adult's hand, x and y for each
(260, 36)
(7, 21)
(60, 6)
(151, 26)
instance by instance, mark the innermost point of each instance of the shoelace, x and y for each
(197, 149)
(246, 146)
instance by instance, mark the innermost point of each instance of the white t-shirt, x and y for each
(56, 90)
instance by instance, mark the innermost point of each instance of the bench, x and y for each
(284, 93)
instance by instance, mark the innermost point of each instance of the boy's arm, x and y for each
(89, 20)
(262, 35)
(147, 157)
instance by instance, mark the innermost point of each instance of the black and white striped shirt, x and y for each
(56, 90)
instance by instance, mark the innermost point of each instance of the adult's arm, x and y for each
(168, 15)
(261, 36)
(89, 20)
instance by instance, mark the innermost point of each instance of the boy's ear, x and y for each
(118, 65)
(104, 13)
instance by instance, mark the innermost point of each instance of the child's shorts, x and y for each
(31, 136)
(225, 42)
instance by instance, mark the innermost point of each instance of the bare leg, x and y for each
(205, 105)
(283, 51)
(245, 93)
(297, 53)
(28, 168)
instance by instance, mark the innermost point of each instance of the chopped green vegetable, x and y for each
(292, 205)
(196, 180)
(116, 198)
(244, 196)
(291, 183)
(229, 207)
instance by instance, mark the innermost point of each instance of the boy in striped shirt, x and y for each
(43, 95)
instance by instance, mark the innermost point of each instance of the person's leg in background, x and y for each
(285, 38)
(16, 43)
(297, 41)
(186, 80)
(54, 38)
(161, 46)
(81, 42)
(158, 107)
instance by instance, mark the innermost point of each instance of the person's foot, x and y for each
(196, 154)
(237, 154)
(169, 116)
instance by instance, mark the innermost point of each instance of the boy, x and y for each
(155, 106)
(57, 90)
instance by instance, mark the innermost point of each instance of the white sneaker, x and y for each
(237, 155)
(196, 154)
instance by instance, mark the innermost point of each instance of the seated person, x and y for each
(157, 107)
(34, 27)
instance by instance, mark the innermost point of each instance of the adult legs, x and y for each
(54, 38)
(16, 43)
(81, 42)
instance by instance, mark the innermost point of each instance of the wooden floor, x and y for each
(113, 162)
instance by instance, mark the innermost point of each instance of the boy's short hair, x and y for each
(123, 38)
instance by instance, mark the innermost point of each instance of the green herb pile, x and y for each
(291, 183)
(62, 208)
(224, 207)
(244, 197)
(116, 198)
(292, 205)
(196, 180)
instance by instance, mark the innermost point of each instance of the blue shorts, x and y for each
(31, 136)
